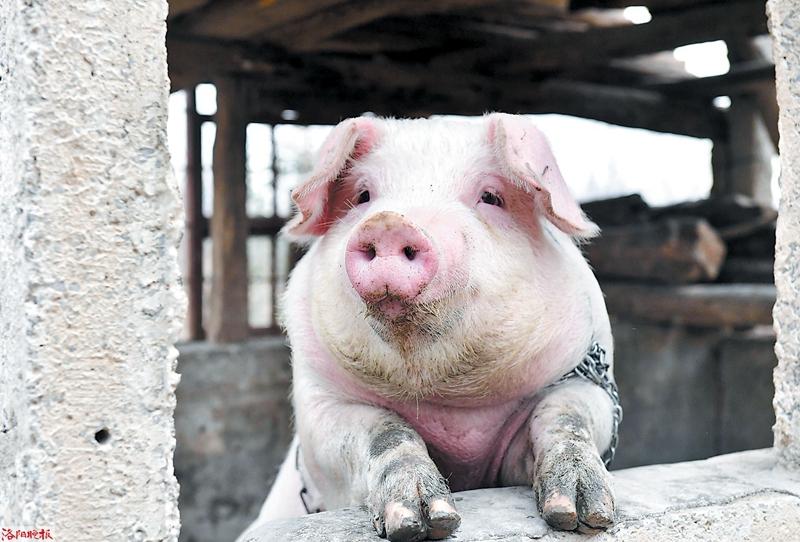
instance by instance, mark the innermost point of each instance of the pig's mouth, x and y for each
(390, 308)
(398, 321)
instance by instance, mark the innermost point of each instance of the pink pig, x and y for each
(441, 299)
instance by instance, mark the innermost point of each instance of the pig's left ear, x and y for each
(525, 158)
(349, 140)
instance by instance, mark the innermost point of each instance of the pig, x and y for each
(442, 298)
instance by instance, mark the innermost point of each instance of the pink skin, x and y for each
(390, 262)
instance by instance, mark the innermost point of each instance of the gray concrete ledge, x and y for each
(737, 497)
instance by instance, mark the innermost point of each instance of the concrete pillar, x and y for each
(784, 23)
(90, 300)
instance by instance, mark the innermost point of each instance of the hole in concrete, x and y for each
(102, 436)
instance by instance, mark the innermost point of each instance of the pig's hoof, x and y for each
(411, 502)
(573, 488)
(410, 521)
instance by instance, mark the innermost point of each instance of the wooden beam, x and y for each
(654, 6)
(228, 321)
(327, 89)
(749, 76)
(256, 225)
(427, 92)
(300, 24)
(237, 19)
(182, 7)
(674, 251)
(193, 201)
(305, 34)
(666, 31)
(193, 60)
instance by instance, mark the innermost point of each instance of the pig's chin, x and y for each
(402, 322)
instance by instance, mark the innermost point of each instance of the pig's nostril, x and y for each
(409, 252)
(370, 252)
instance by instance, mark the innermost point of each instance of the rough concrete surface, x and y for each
(738, 497)
(784, 25)
(90, 304)
(233, 428)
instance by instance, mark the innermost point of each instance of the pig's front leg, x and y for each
(570, 428)
(408, 497)
(361, 454)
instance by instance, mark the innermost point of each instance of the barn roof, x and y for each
(329, 59)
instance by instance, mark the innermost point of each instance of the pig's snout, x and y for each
(390, 261)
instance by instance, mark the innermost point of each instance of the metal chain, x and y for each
(594, 368)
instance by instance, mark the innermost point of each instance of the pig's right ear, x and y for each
(349, 140)
(525, 158)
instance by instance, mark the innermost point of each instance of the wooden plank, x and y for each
(731, 215)
(750, 270)
(304, 34)
(667, 31)
(387, 88)
(219, 59)
(238, 19)
(299, 24)
(193, 201)
(629, 107)
(182, 7)
(619, 211)
(672, 251)
(654, 6)
(228, 321)
(256, 225)
(745, 76)
(701, 305)
(650, 113)
(311, 84)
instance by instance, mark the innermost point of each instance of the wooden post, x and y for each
(229, 225)
(193, 202)
(274, 287)
(742, 163)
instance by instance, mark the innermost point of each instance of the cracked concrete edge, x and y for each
(743, 496)
(784, 25)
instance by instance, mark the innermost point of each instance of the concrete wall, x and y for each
(687, 393)
(691, 393)
(90, 301)
(233, 428)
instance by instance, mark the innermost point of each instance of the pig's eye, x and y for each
(363, 197)
(490, 198)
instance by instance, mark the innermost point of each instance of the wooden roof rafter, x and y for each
(462, 57)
